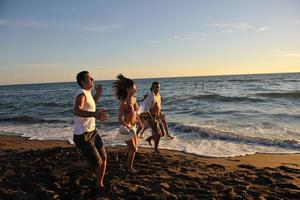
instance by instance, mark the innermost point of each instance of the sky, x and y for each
(51, 41)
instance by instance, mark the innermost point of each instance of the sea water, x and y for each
(219, 116)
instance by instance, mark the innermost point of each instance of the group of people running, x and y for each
(148, 115)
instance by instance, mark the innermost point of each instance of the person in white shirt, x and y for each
(86, 136)
(150, 111)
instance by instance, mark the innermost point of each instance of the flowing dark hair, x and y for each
(120, 86)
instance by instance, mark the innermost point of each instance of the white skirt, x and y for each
(125, 134)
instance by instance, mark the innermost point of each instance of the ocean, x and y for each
(218, 116)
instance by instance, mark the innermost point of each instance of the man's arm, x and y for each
(78, 109)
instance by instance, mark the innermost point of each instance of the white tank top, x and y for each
(85, 124)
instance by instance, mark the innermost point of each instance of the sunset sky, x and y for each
(51, 41)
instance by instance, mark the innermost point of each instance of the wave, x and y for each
(37, 106)
(291, 95)
(228, 136)
(292, 80)
(246, 80)
(212, 98)
(53, 104)
(30, 119)
(7, 105)
(216, 97)
(111, 123)
(285, 115)
(247, 112)
(229, 112)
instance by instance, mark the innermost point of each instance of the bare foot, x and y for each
(149, 141)
(101, 185)
(156, 151)
(170, 136)
(132, 170)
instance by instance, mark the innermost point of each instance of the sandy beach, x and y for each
(33, 169)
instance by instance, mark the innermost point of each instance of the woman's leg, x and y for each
(131, 154)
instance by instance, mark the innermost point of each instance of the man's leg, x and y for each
(140, 131)
(155, 129)
(166, 128)
(147, 124)
(100, 173)
(149, 139)
(92, 148)
(102, 160)
(156, 142)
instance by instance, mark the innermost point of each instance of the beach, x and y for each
(33, 169)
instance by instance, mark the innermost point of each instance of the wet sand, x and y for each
(33, 169)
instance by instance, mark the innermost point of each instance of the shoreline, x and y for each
(22, 144)
(68, 143)
(47, 165)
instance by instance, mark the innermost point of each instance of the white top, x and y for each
(148, 102)
(85, 124)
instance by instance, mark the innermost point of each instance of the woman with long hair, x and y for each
(124, 90)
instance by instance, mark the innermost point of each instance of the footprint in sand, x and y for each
(281, 176)
(216, 167)
(247, 167)
(290, 170)
(233, 160)
(293, 164)
(287, 185)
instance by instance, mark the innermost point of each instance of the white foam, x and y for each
(40, 132)
(186, 142)
(191, 143)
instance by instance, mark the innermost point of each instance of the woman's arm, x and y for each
(122, 115)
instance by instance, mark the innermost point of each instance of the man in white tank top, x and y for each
(86, 137)
(151, 106)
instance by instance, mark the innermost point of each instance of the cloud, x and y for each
(232, 27)
(189, 36)
(286, 54)
(237, 27)
(99, 28)
(82, 28)
(263, 28)
(23, 24)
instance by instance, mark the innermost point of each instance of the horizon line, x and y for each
(154, 78)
